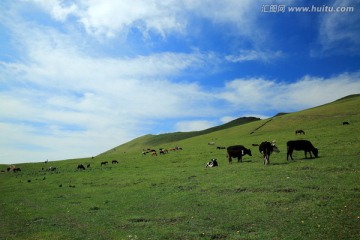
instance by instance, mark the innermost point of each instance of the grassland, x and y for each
(173, 196)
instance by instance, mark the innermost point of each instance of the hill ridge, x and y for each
(153, 140)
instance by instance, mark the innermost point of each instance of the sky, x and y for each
(78, 78)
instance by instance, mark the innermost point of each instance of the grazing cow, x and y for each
(17, 169)
(266, 148)
(52, 168)
(300, 145)
(81, 167)
(114, 162)
(163, 151)
(213, 163)
(211, 143)
(12, 168)
(237, 151)
(154, 154)
(87, 166)
(300, 132)
(104, 163)
(346, 123)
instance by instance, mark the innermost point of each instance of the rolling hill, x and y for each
(166, 138)
(344, 109)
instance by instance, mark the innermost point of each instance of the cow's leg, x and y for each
(229, 159)
(289, 153)
(266, 159)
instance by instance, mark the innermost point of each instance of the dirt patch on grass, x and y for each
(139, 220)
(286, 190)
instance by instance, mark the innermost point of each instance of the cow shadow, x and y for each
(309, 158)
(244, 161)
(282, 163)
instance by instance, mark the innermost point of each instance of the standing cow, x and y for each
(266, 148)
(237, 151)
(301, 145)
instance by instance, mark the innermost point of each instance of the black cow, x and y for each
(300, 132)
(266, 148)
(213, 163)
(237, 151)
(114, 162)
(104, 163)
(81, 167)
(346, 123)
(300, 145)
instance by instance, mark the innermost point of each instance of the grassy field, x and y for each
(174, 196)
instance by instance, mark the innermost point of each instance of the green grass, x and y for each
(174, 197)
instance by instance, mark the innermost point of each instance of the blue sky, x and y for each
(80, 77)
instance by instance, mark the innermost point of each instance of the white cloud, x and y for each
(108, 18)
(227, 119)
(261, 94)
(340, 32)
(57, 97)
(254, 55)
(57, 9)
(197, 125)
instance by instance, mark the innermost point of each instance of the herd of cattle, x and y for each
(237, 151)
(266, 149)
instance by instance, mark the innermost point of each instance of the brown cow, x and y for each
(237, 151)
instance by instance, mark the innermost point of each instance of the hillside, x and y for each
(167, 138)
(342, 109)
(173, 196)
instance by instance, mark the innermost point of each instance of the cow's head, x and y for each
(315, 152)
(275, 148)
(246, 151)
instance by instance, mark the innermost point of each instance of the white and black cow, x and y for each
(301, 145)
(266, 148)
(51, 168)
(237, 151)
(213, 163)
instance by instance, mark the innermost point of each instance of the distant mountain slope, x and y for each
(348, 97)
(344, 109)
(155, 140)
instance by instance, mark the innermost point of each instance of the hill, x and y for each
(173, 196)
(253, 125)
(167, 138)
